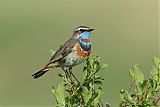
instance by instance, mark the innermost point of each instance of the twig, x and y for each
(76, 90)
(131, 86)
(146, 89)
(81, 101)
(157, 99)
(100, 103)
(133, 82)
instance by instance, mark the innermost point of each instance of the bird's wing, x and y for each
(64, 50)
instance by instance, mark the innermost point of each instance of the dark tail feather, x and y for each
(44, 70)
(39, 73)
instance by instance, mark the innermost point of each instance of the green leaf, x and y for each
(98, 78)
(94, 95)
(98, 82)
(59, 94)
(136, 74)
(84, 73)
(156, 62)
(86, 94)
(96, 100)
(104, 66)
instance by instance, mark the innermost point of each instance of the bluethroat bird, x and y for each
(72, 53)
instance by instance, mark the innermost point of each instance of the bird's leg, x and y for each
(67, 75)
(70, 71)
(65, 71)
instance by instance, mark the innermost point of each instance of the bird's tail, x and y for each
(44, 70)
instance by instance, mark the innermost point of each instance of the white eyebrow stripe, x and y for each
(81, 28)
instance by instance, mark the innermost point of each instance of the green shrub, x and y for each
(143, 92)
(87, 92)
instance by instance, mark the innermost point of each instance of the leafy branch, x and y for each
(143, 92)
(87, 92)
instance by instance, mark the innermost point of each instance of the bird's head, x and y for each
(82, 34)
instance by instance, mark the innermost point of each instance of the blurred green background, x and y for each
(126, 33)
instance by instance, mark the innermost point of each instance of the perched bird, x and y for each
(72, 53)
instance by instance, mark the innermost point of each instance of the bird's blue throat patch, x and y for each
(84, 40)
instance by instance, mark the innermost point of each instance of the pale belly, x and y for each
(72, 59)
